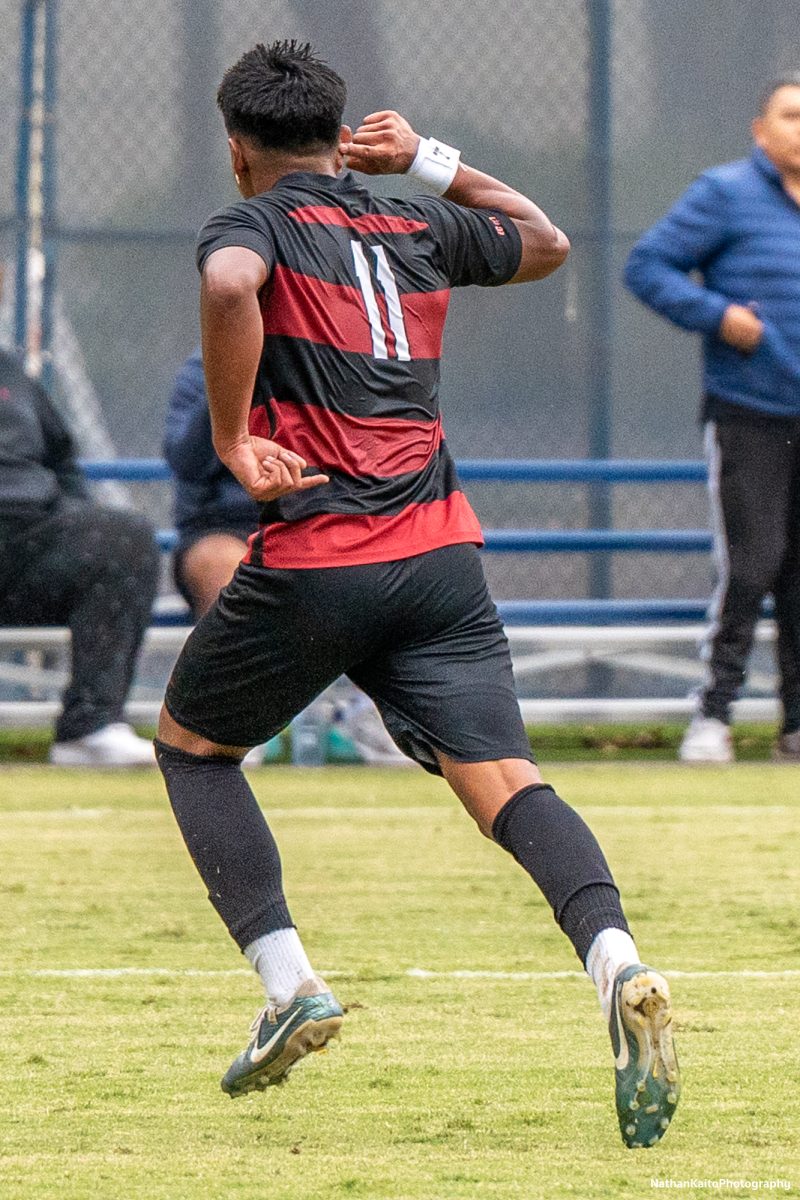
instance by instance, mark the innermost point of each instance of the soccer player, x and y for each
(322, 309)
(214, 517)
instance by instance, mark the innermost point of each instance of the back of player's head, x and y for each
(283, 97)
(790, 79)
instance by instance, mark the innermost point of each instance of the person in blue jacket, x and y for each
(725, 262)
(214, 517)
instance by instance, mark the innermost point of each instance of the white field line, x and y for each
(411, 973)
(419, 973)
(305, 813)
(326, 812)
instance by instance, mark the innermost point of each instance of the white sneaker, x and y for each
(707, 740)
(114, 745)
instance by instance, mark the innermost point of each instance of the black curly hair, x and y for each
(283, 98)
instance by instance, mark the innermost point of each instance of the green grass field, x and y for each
(444, 1085)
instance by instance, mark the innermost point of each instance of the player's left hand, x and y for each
(383, 144)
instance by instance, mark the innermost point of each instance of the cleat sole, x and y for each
(646, 1012)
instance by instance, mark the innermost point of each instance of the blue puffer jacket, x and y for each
(740, 229)
(207, 496)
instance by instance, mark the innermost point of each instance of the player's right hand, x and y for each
(383, 144)
(268, 471)
(741, 328)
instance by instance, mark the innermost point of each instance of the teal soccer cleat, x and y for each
(282, 1037)
(647, 1076)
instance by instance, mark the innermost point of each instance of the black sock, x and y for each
(229, 840)
(561, 854)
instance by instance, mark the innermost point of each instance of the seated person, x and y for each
(214, 517)
(65, 560)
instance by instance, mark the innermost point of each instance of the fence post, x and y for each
(35, 189)
(49, 219)
(203, 137)
(27, 45)
(599, 310)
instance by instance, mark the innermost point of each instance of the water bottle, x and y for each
(310, 735)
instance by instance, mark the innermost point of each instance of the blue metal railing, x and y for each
(569, 541)
(490, 470)
(548, 541)
(517, 541)
(583, 470)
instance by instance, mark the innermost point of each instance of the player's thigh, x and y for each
(255, 660)
(447, 689)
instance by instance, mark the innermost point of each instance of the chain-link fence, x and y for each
(564, 368)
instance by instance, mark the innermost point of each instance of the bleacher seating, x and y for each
(569, 631)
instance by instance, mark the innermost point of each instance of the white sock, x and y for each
(281, 962)
(610, 951)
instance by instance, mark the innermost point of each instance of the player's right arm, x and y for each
(385, 144)
(233, 336)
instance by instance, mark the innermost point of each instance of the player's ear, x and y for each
(239, 164)
(345, 138)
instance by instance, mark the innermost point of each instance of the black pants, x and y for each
(754, 483)
(95, 570)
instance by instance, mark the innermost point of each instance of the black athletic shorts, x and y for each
(419, 635)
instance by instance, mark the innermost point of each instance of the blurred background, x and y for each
(602, 110)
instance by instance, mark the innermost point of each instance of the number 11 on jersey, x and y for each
(394, 311)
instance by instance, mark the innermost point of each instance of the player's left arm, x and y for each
(385, 144)
(233, 336)
(544, 246)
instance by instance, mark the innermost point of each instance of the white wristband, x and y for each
(435, 165)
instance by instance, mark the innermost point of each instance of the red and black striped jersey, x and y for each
(353, 312)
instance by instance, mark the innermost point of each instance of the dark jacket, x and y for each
(740, 229)
(37, 454)
(207, 496)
